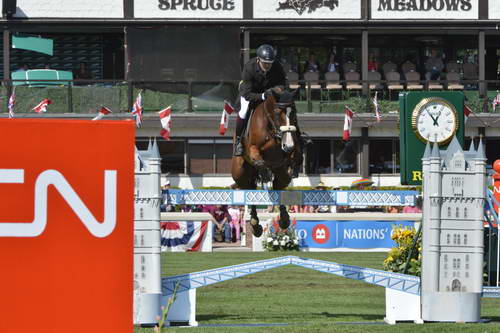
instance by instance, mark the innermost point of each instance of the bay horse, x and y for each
(271, 150)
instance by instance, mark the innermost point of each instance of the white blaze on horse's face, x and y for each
(287, 141)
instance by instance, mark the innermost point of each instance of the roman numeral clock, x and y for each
(425, 116)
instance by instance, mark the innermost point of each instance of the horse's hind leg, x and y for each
(254, 222)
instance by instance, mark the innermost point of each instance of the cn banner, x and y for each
(347, 234)
(66, 225)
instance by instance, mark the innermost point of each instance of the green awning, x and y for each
(42, 45)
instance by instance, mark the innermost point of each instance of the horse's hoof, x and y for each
(254, 221)
(284, 223)
(256, 230)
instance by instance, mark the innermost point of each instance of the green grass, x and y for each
(307, 300)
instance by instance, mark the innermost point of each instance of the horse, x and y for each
(271, 150)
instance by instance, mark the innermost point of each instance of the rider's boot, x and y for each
(238, 146)
(295, 171)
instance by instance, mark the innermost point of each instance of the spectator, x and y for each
(236, 223)
(166, 207)
(47, 66)
(82, 72)
(414, 209)
(221, 227)
(372, 63)
(434, 65)
(311, 65)
(333, 65)
(23, 68)
(392, 209)
(321, 208)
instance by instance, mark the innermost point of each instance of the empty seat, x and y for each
(393, 79)
(408, 66)
(453, 67)
(374, 80)
(389, 67)
(471, 71)
(293, 80)
(332, 80)
(413, 81)
(313, 79)
(453, 79)
(435, 85)
(349, 67)
(352, 81)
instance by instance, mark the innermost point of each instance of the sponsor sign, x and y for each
(76, 9)
(425, 9)
(307, 9)
(189, 9)
(347, 234)
(66, 225)
(494, 9)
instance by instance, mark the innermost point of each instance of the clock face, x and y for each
(435, 120)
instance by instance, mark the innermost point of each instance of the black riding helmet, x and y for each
(266, 53)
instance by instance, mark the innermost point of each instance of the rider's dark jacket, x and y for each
(255, 81)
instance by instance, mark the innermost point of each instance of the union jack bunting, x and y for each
(137, 110)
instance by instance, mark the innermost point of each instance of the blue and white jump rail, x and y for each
(402, 282)
(184, 308)
(298, 197)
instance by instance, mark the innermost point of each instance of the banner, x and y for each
(307, 9)
(66, 225)
(347, 234)
(425, 9)
(183, 236)
(189, 9)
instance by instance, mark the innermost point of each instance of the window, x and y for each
(384, 156)
(345, 156)
(171, 153)
(332, 156)
(210, 156)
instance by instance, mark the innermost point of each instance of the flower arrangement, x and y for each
(277, 239)
(397, 256)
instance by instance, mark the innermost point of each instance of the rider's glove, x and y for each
(267, 93)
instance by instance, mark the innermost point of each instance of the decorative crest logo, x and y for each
(311, 5)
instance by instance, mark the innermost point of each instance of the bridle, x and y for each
(280, 133)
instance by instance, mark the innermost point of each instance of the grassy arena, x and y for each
(306, 300)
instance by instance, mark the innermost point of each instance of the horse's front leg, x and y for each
(254, 222)
(263, 171)
(284, 217)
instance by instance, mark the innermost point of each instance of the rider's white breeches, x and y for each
(244, 108)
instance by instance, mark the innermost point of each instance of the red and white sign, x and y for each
(66, 225)
(320, 233)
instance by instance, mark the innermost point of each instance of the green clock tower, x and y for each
(427, 116)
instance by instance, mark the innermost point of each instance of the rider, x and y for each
(260, 76)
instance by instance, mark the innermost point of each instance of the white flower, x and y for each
(275, 242)
(282, 243)
(269, 239)
(295, 241)
(286, 238)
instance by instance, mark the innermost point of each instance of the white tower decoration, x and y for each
(147, 236)
(454, 188)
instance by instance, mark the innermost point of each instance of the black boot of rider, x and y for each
(295, 171)
(238, 146)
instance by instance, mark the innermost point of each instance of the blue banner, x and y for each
(347, 234)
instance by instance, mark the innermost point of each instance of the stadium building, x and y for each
(189, 54)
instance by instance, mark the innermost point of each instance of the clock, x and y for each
(434, 119)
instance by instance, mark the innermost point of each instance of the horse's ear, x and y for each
(295, 93)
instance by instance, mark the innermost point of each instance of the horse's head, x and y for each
(280, 107)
